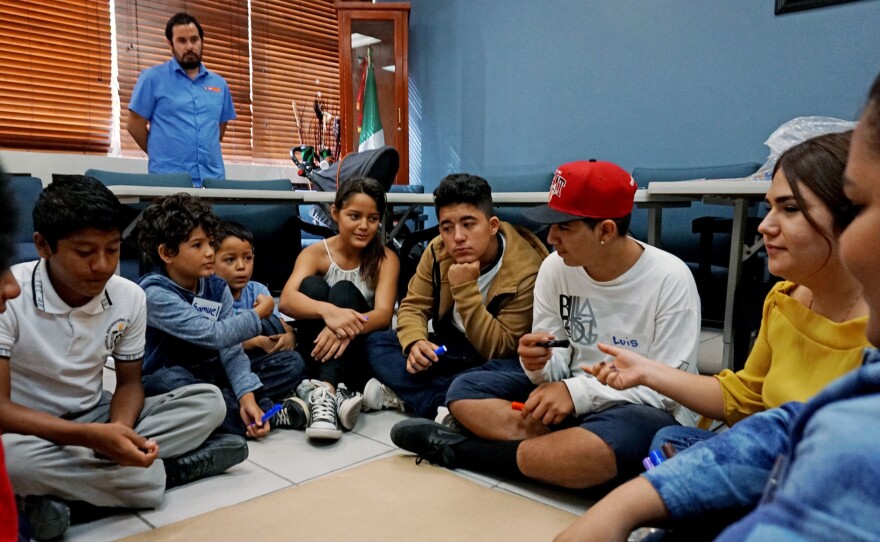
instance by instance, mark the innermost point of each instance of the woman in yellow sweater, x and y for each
(813, 327)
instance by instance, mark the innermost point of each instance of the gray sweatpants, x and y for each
(178, 421)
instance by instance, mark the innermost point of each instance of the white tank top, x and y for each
(335, 273)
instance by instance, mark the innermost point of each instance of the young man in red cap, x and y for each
(599, 287)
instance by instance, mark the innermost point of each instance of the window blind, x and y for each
(55, 75)
(295, 56)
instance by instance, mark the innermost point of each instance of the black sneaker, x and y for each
(294, 414)
(213, 457)
(428, 440)
(48, 517)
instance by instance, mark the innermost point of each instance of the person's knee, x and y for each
(572, 458)
(346, 295)
(212, 405)
(315, 287)
(19, 467)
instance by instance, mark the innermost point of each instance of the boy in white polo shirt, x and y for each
(66, 438)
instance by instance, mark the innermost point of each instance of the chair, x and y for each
(410, 253)
(703, 242)
(400, 215)
(25, 191)
(277, 229)
(111, 178)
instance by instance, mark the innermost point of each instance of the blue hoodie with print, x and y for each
(186, 328)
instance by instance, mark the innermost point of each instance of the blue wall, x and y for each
(510, 89)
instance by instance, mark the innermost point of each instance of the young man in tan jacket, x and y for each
(474, 283)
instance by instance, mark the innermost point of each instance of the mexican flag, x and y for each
(372, 136)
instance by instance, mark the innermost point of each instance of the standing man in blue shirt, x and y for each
(179, 110)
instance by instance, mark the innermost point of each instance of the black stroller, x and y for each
(380, 164)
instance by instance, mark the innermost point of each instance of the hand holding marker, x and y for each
(555, 343)
(268, 415)
(658, 456)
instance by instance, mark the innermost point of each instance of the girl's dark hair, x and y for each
(171, 220)
(818, 164)
(374, 252)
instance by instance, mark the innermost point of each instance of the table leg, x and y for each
(655, 225)
(734, 271)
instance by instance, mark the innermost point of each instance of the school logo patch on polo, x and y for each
(115, 332)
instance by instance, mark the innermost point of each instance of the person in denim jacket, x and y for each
(808, 470)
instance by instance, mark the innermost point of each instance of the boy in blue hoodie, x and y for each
(193, 332)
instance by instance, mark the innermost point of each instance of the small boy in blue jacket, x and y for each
(193, 332)
(234, 263)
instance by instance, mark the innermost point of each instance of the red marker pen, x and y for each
(516, 405)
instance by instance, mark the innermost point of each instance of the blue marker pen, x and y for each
(268, 414)
(657, 457)
(440, 350)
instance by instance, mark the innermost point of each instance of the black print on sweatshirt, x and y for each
(578, 318)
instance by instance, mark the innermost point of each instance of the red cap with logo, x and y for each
(586, 189)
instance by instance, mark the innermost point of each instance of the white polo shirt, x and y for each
(57, 352)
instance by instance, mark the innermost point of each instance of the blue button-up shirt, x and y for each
(185, 116)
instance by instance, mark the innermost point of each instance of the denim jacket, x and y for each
(180, 334)
(812, 469)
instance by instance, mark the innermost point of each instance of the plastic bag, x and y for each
(793, 132)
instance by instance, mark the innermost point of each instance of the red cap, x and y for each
(586, 189)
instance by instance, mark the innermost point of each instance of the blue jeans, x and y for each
(422, 392)
(680, 437)
(280, 373)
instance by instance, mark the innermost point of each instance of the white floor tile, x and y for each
(377, 425)
(291, 455)
(240, 483)
(112, 528)
(709, 333)
(709, 357)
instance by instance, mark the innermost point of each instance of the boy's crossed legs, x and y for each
(580, 452)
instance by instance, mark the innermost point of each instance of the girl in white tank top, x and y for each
(337, 293)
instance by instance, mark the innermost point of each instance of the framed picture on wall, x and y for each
(788, 6)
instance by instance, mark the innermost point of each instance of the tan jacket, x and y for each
(494, 328)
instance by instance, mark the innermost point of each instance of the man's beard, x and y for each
(190, 61)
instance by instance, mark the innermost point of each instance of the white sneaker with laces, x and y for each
(322, 407)
(378, 396)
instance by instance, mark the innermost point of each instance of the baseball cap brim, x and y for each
(543, 214)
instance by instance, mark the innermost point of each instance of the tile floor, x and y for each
(286, 458)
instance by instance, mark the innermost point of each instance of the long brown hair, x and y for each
(374, 252)
(818, 164)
